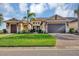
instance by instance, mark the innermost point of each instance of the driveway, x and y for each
(66, 40)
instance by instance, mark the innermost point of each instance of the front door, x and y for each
(13, 28)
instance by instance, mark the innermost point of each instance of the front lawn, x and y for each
(26, 40)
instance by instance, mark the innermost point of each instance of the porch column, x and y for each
(8, 26)
(21, 27)
(46, 28)
(17, 27)
(66, 27)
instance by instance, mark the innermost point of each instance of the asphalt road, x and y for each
(42, 51)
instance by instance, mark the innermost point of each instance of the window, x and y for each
(38, 23)
(33, 22)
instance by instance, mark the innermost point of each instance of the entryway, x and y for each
(13, 28)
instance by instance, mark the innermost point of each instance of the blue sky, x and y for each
(18, 10)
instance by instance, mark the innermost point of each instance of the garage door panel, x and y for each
(56, 28)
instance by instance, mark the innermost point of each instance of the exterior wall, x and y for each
(22, 27)
(43, 27)
(73, 25)
(29, 26)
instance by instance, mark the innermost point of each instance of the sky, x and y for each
(44, 10)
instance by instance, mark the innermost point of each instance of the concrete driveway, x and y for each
(66, 40)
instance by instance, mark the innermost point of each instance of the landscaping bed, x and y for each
(27, 40)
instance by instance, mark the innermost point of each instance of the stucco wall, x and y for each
(43, 27)
(73, 25)
(22, 27)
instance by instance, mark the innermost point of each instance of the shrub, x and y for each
(4, 31)
(1, 31)
(32, 30)
(18, 32)
(72, 30)
(23, 32)
(39, 31)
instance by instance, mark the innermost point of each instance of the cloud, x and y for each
(64, 12)
(52, 5)
(61, 9)
(23, 7)
(7, 9)
(38, 8)
(7, 18)
(55, 5)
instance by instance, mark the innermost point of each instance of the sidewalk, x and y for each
(38, 51)
(36, 48)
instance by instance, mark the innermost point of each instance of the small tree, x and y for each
(1, 19)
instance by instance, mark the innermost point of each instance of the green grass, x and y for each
(26, 40)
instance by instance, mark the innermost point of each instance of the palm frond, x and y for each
(31, 14)
(33, 18)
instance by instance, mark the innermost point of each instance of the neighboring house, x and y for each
(54, 24)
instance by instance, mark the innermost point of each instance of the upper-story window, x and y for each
(33, 22)
(36, 22)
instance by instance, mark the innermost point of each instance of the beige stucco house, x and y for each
(54, 24)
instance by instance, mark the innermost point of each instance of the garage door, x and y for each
(56, 28)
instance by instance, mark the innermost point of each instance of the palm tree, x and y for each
(77, 13)
(1, 19)
(30, 15)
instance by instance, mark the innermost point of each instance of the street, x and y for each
(38, 51)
